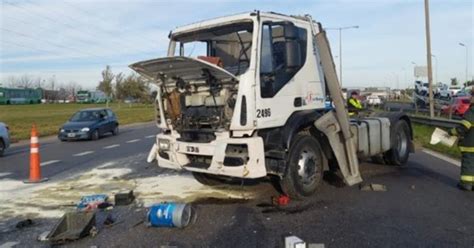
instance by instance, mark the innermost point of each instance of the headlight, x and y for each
(86, 129)
(163, 144)
(61, 130)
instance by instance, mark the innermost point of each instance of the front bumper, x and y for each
(182, 154)
(73, 136)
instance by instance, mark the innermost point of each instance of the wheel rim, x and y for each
(402, 143)
(307, 167)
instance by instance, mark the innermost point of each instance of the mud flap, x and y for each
(344, 149)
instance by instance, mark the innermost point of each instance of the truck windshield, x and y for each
(228, 46)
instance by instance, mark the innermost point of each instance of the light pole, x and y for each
(340, 48)
(462, 44)
(436, 68)
(428, 56)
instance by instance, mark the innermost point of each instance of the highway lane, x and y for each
(421, 208)
(66, 157)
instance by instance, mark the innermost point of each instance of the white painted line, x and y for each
(82, 153)
(133, 141)
(9, 244)
(49, 162)
(112, 146)
(443, 157)
(150, 136)
(4, 174)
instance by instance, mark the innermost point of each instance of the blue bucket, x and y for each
(170, 215)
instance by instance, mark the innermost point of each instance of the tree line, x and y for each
(125, 87)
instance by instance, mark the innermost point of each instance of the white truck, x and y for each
(253, 105)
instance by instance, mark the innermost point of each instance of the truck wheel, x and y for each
(207, 179)
(398, 155)
(304, 171)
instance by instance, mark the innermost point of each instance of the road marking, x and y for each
(133, 141)
(443, 157)
(4, 174)
(150, 136)
(9, 244)
(82, 153)
(49, 162)
(112, 146)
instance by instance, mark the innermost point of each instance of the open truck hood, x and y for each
(186, 68)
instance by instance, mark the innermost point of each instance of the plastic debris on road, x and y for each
(373, 187)
(91, 201)
(170, 215)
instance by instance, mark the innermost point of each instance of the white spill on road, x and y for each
(83, 153)
(111, 146)
(52, 199)
(49, 162)
(133, 141)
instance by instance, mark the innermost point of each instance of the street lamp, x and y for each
(340, 47)
(462, 44)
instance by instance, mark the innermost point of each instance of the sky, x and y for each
(73, 40)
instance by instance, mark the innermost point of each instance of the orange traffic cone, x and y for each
(35, 168)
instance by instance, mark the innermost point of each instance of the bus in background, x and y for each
(86, 96)
(20, 96)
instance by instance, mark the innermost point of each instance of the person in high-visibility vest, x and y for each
(353, 104)
(466, 146)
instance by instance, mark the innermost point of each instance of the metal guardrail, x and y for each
(436, 122)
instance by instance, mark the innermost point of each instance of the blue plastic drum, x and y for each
(170, 215)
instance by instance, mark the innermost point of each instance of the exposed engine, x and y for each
(196, 110)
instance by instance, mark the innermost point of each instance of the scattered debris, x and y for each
(94, 231)
(43, 236)
(104, 205)
(109, 220)
(294, 242)
(170, 215)
(124, 198)
(72, 226)
(372, 187)
(24, 223)
(91, 201)
(281, 200)
(310, 245)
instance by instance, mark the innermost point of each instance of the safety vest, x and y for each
(353, 105)
(466, 131)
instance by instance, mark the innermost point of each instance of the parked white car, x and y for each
(4, 138)
(374, 100)
(449, 92)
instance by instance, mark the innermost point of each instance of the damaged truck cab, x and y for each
(243, 96)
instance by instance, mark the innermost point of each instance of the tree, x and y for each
(454, 81)
(106, 84)
(119, 91)
(135, 87)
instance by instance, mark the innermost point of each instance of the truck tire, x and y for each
(398, 155)
(207, 179)
(304, 172)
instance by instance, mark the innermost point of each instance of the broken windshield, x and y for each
(228, 46)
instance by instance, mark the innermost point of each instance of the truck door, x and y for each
(288, 73)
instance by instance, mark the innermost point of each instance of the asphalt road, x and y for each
(60, 158)
(421, 208)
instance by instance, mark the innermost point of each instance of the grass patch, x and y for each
(50, 117)
(422, 136)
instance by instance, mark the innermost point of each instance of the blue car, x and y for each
(89, 124)
(4, 138)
